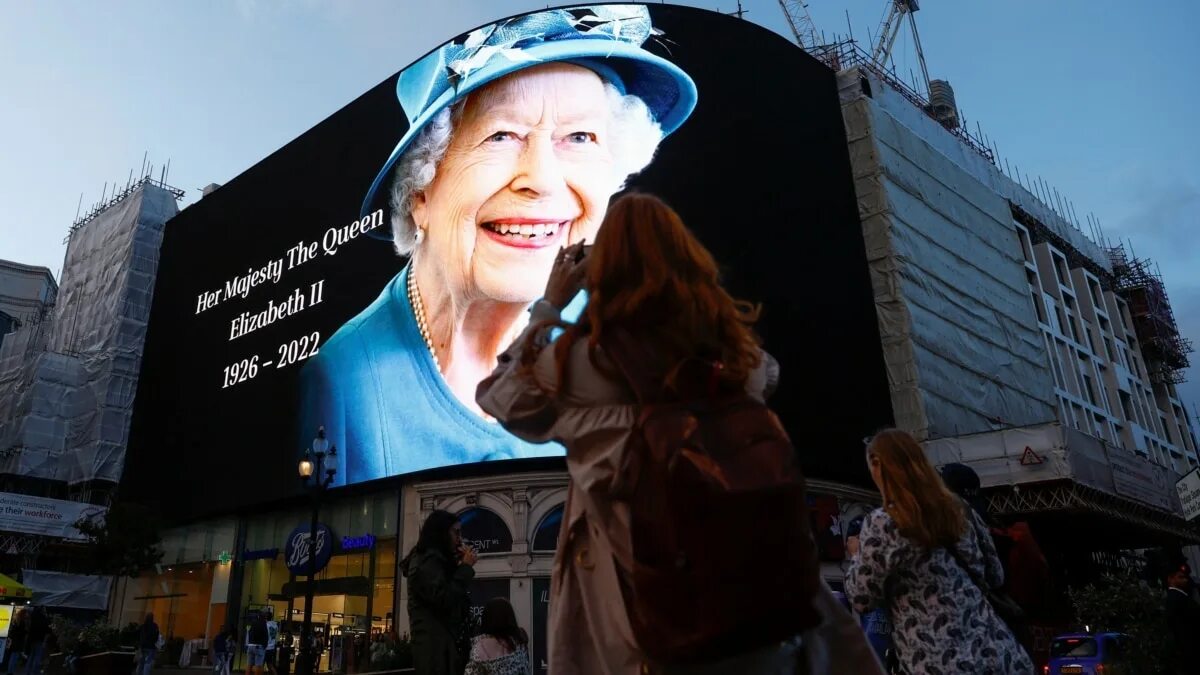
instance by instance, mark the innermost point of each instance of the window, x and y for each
(1091, 391)
(1060, 268)
(485, 531)
(1108, 349)
(1038, 307)
(1096, 300)
(1074, 327)
(1023, 242)
(545, 537)
(1125, 407)
(1073, 647)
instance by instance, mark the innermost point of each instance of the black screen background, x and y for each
(760, 172)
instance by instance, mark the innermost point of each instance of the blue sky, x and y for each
(1096, 96)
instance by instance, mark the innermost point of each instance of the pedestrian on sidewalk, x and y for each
(439, 570)
(149, 638)
(257, 637)
(929, 560)
(502, 646)
(223, 650)
(18, 640)
(1183, 616)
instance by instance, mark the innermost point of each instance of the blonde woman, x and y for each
(926, 558)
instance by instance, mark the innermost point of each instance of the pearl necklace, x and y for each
(414, 299)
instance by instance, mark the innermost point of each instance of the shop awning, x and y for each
(11, 590)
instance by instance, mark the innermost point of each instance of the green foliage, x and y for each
(1125, 603)
(124, 541)
(129, 635)
(85, 639)
(392, 654)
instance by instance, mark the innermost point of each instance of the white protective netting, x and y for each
(67, 384)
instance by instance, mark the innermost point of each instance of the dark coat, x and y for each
(18, 637)
(148, 638)
(1183, 616)
(438, 601)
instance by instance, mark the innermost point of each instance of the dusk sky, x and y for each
(1097, 97)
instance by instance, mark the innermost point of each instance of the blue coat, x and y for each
(375, 388)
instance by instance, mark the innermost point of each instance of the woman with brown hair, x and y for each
(927, 558)
(651, 285)
(501, 648)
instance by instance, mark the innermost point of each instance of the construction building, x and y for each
(68, 376)
(1016, 343)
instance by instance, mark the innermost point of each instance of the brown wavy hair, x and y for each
(921, 505)
(648, 275)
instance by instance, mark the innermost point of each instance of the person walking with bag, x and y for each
(657, 393)
(929, 559)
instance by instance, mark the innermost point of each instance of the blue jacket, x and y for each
(375, 388)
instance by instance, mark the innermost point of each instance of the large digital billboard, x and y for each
(364, 277)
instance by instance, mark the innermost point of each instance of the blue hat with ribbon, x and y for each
(606, 39)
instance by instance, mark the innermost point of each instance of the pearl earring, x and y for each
(419, 236)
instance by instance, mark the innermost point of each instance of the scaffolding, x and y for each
(1141, 285)
(846, 54)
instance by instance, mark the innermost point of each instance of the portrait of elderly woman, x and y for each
(519, 134)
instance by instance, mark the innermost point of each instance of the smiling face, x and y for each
(529, 169)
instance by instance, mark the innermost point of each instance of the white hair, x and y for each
(634, 133)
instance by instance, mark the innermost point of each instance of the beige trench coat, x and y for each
(592, 416)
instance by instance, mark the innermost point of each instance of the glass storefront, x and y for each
(187, 592)
(353, 595)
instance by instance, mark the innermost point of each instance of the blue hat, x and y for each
(606, 39)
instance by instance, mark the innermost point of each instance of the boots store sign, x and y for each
(299, 547)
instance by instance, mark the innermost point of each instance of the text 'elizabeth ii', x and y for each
(332, 240)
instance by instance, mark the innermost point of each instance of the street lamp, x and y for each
(316, 477)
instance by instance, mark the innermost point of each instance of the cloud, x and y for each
(1162, 219)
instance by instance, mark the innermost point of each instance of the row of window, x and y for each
(486, 532)
(1092, 357)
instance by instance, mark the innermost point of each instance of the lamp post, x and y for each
(315, 476)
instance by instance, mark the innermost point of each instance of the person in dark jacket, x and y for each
(39, 629)
(1183, 616)
(223, 650)
(257, 638)
(148, 643)
(439, 570)
(18, 634)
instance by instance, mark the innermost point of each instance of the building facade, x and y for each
(27, 292)
(1018, 344)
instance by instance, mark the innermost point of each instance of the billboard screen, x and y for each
(364, 277)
